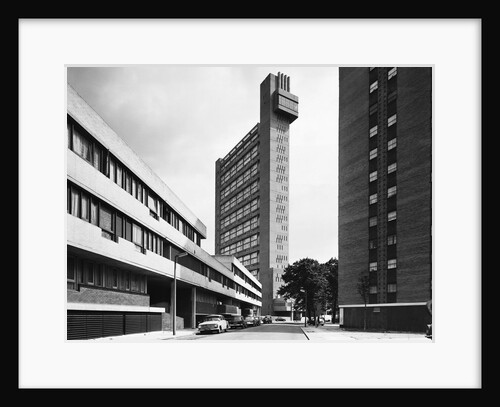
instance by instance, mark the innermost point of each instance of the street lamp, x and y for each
(174, 300)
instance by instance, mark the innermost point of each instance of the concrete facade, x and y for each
(122, 243)
(268, 186)
(385, 190)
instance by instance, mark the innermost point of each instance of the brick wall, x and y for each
(353, 181)
(414, 184)
(102, 296)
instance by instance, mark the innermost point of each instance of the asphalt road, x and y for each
(265, 332)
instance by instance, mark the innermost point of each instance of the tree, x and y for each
(301, 282)
(363, 287)
(307, 278)
(332, 277)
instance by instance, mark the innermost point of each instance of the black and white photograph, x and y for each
(234, 211)
(143, 262)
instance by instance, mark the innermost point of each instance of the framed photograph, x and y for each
(188, 174)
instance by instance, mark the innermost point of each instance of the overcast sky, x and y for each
(181, 119)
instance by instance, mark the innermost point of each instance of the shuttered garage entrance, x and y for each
(94, 324)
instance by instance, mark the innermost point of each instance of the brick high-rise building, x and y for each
(251, 211)
(385, 191)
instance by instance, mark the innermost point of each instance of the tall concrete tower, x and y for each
(252, 193)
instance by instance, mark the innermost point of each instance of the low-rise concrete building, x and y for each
(125, 231)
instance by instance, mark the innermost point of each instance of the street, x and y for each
(264, 332)
(277, 331)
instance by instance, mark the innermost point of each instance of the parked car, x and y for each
(249, 320)
(267, 320)
(236, 321)
(213, 323)
(280, 319)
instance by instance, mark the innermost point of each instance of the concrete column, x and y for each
(193, 309)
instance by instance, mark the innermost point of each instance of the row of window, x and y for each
(240, 213)
(391, 264)
(84, 145)
(248, 139)
(247, 243)
(115, 224)
(390, 74)
(252, 171)
(243, 276)
(290, 104)
(280, 149)
(391, 240)
(391, 191)
(244, 227)
(390, 145)
(390, 217)
(240, 164)
(240, 197)
(391, 288)
(85, 272)
(249, 259)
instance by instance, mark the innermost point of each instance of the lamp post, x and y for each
(174, 300)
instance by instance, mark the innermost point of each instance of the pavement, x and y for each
(333, 333)
(327, 333)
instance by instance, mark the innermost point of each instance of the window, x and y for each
(373, 244)
(128, 230)
(373, 153)
(71, 272)
(373, 221)
(373, 176)
(97, 157)
(391, 120)
(105, 219)
(392, 167)
(90, 274)
(392, 72)
(391, 144)
(81, 145)
(99, 275)
(112, 175)
(75, 202)
(128, 183)
(373, 266)
(93, 212)
(373, 199)
(391, 288)
(115, 278)
(373, 131)
(85, 207)
(137, 234)
(127, 280)
(374, 86)
(391, 191)
(391, 240)
(391, 216)
(152, 203)
(119, 175)
(391, 264)
(373, 289)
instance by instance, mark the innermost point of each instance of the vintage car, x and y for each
(213, 323)
(267, 319)
(250, 320)
(236, 321)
